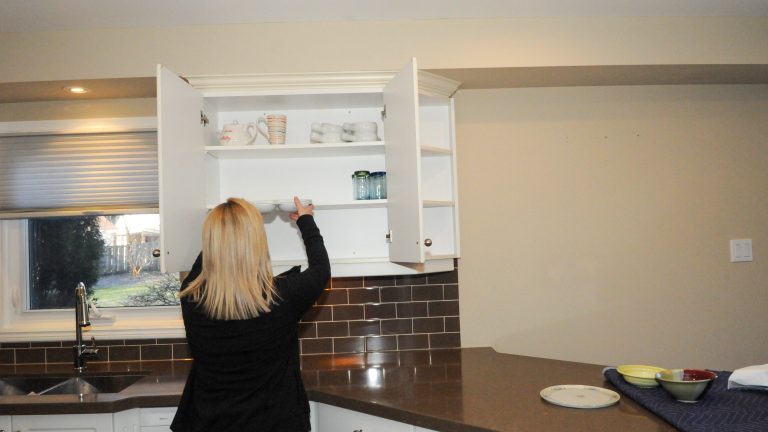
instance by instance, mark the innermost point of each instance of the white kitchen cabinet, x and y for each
(62, 422)
(313, 416)
(160, 419)
(156, 419)
(414, 230)
(335, 419)
(127, 421)
(144, 419)
(5, 424)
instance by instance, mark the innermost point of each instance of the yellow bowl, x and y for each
(640, 375)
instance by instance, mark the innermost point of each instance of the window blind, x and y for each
(49, 175)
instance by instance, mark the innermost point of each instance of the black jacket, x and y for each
(246, 373)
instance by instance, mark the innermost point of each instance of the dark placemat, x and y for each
(720, 410)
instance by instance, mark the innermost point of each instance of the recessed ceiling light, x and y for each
(76, 89)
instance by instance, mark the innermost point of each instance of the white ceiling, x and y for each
(47, 15)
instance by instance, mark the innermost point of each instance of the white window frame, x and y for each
(17, 321)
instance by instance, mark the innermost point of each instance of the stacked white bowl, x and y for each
(360, 132)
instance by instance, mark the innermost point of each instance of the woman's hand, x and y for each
(301, 210)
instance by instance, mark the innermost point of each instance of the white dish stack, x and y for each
(287, 206)
(348, 132)
(325, 133)
(360, 132)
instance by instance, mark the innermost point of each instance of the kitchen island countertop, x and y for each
(469, 389)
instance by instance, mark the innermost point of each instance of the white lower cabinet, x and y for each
(144, 419)
(323, 418)
(335, 419)
(313, 415)
(127, 421)
(62, 422)
(157, 419)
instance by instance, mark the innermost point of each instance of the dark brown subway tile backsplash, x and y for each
(354, 315)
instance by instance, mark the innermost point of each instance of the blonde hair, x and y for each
(236, 279)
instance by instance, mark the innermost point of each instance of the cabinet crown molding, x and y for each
(306, 83)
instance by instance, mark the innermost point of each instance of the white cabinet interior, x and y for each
(414, 114)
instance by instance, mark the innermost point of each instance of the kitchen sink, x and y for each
(24, 385)
(58, 385)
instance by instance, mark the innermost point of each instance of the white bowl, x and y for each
(365, 137)
(264, 206)
(370, 127)
(290, 207)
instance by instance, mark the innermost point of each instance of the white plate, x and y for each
(290, 207)
(579, 396)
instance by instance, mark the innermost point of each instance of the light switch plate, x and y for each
(741, 250)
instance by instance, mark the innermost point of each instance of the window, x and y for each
(45, 244)
(111, 255)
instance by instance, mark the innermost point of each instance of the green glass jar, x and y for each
(360, 185)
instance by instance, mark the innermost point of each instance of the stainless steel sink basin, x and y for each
(93, 384)
(23, 385)
(58, 385)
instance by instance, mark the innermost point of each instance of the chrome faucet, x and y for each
(81, 351)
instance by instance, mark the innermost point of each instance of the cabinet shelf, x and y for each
(352, 204)
(297, 150)
(363, 204)
(340, 205)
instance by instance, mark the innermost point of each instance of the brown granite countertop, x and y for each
(469, 389)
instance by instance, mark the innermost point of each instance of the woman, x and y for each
(241, 325)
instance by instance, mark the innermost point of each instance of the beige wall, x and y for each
(596, 223)
(301, 47)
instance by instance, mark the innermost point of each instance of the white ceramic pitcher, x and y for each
(236, 134)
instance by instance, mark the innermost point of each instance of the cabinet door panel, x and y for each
(436, 181)
(63, 422)
(182, 170)
(438, 227)
(126, 421)
(5, 424)
(403, 155)
(434, 124)
(334, 419)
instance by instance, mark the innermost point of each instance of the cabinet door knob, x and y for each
(427, 242)
(156, 253)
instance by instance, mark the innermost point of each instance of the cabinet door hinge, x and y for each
(389, 236)
(384, 113)
(203, 118)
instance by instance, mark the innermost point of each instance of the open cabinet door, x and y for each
(181, 152)
(403, 162)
